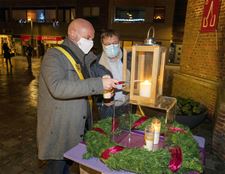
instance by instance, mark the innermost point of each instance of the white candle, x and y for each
(156, 124)
(149, 137)
(145, 88)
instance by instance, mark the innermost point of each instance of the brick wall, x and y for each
(219, 133)
(202, 66)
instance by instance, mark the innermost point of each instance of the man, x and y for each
(28, 52)
(111, 59)
(63, 105)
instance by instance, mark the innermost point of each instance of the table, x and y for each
(76, 154)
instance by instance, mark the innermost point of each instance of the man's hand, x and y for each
(109, 83)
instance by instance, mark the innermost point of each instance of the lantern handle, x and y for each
(153, 32)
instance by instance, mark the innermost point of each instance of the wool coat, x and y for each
(62, 102)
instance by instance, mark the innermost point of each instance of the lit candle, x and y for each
(145, 88)
(149, 137)
(156, 124)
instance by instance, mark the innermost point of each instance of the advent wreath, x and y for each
(140, 160)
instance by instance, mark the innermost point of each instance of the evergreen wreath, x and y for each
(140, 160)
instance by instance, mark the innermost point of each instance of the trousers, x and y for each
(58, 167)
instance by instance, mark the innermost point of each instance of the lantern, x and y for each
(147, 71)
(145, 81)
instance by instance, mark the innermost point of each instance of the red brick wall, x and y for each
(202, 61)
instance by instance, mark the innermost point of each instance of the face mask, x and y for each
(111, 50)
(85, 45)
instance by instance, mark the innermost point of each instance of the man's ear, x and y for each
(74, 36)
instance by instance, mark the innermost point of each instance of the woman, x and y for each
(6, 53)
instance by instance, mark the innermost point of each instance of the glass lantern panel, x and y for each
(128, 64)
(127, 55)
(159, 78)
(143, 73)
(121, 126)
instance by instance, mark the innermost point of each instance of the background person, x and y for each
(7, 54)
(29, 53)
(63, 106)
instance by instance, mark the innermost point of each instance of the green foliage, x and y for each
(139, 160)
(187, 106)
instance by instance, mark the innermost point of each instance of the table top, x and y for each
(76, 154)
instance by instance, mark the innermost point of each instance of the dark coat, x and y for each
(6, 51)
(62, 102)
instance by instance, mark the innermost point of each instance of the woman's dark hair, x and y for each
(109, 33)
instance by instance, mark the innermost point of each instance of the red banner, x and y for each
(52, 38)
(210, 15)
(25, 37)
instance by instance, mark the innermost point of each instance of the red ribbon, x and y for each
(100, 130)
(176, 159)
(115, 124)
(177, 129)
(139, 122)
(111, 150)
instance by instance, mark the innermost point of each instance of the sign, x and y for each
(210, 15)
(49, 38)
(25, 37)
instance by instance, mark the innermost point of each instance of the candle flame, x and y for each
(146, 82)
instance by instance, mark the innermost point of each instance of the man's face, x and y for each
(110, 40)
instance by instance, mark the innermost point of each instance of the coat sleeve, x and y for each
(54, 71)
(98, 70)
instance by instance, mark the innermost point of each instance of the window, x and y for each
(67, 15)
(50, 15)
(19, 14)
(159, 14)
(129, 15)
(3, 14)
(61, 15)
(36, 15)
(91, 11)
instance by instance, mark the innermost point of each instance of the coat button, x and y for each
(84, 117)
(81, 135)
(93, 90)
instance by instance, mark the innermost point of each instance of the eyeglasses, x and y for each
(106, 44)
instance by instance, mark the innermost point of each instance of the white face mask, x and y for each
(111, 50)
(85, 45)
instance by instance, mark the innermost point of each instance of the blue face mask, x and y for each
(111, 50)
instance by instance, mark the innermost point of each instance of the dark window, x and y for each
(159, 14)
(2, 15)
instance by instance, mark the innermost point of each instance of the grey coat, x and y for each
(62, 102)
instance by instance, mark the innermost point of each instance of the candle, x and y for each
(145, 88)
(156, 124)
(149, 137)
(107, 94)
